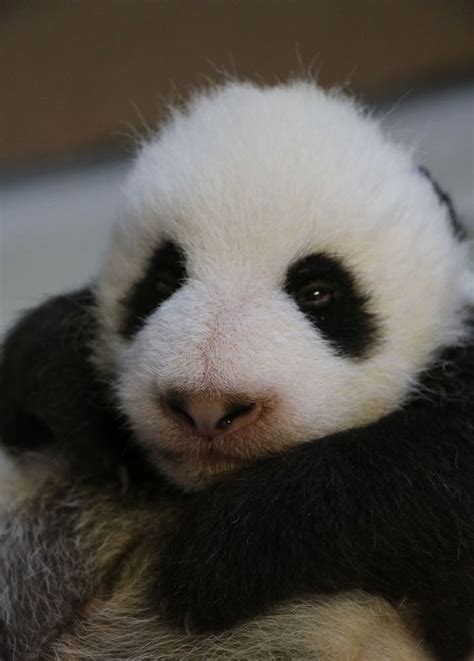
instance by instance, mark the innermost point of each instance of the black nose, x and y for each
(211, 417)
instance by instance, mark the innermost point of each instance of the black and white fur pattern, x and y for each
(238, 203)
(75, 564)
(248, 182)
(82, 523)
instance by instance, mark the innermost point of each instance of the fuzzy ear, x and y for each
(51, 394)
(446, 201)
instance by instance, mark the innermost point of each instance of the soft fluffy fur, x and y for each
(247, 182)
(63, 536)
(75, 568)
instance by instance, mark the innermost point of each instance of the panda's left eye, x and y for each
(332, 300)
(316, 295)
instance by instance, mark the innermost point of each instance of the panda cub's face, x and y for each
(282, 272)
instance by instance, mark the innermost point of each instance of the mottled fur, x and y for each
(77, 566)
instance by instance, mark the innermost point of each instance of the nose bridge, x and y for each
(215, 338)
(227, 335)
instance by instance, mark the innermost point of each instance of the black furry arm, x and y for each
(49, 390)
(51, 395)
(388, 508)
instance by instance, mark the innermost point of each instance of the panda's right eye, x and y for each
(164, 275)
(316, 295)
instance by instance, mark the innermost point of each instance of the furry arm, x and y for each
(388, 508)
(51, 394)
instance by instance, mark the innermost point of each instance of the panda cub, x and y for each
(283, 320)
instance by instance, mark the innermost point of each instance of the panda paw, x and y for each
(184, 621)
(191, 596)
(211, 570)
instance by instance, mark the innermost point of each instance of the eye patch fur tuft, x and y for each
(346, 323)
(164, 275)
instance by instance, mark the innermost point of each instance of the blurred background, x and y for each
(79, 77)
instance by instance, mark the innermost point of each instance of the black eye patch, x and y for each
(327, 294)
(164, 275)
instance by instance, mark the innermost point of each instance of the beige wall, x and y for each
(75, 73)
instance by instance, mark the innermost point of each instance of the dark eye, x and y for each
(329, 296)
(316, 295)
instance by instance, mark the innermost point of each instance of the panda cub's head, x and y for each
(283, 271)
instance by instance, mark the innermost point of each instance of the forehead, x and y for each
(248, 180)
(249, 176)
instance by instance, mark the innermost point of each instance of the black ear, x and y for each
(51, 394)
(446, 201)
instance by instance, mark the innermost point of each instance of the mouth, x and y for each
(209, 454)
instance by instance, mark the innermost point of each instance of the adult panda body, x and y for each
(285, 273)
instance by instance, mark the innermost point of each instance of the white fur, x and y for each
(247, 180)
(352, 627)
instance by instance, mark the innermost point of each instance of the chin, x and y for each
(196, 475)
(200, 464)
(192, 462)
